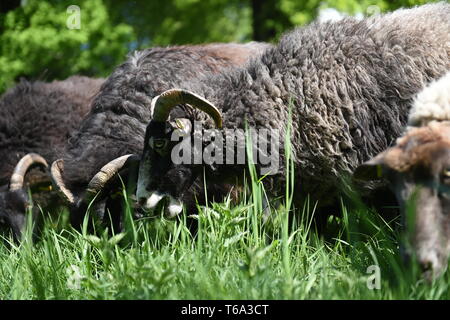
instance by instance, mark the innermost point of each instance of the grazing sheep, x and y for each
(120, 112)
(36, 119)
(417, 169)
(349, 85)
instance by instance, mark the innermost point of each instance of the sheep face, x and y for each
(14, 199)
(13, 205)
(418, 171)
(159, 178)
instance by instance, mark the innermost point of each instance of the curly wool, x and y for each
(350, 85)
(432, 103)
(120, 113)
(39, 117)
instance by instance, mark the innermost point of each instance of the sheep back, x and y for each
(39, 117)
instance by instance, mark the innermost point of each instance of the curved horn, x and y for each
(166, 101)
(22, 167)
(56, 175)
(105, 174)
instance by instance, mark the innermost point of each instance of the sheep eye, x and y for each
(158, 143)
(446, 173)
(445, 177)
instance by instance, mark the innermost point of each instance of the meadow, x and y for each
(234, 254)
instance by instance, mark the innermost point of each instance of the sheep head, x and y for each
(159, 178)
(14, 199)
(418, 171)
(100, 186)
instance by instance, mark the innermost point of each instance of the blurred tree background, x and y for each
(38, 41)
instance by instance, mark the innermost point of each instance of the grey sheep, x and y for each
(36, 119)
(349, 84)
(417, 169)
(116, 124)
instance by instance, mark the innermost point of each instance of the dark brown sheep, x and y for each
(37, 117)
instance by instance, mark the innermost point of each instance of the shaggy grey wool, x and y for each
(349, 84)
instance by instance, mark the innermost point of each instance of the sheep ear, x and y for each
(183, 126)
(371, 170)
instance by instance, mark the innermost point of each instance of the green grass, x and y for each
(234, 255)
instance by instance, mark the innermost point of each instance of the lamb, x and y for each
(36, 119)
(349, 85)
(116, 124)
(417, 170)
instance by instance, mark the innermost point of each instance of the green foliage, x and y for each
(36, 42)
(184, 21)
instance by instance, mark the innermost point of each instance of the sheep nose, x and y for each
(152, 201)
(426, 265)
(142, 204)
(429, 263)
(142, 201)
